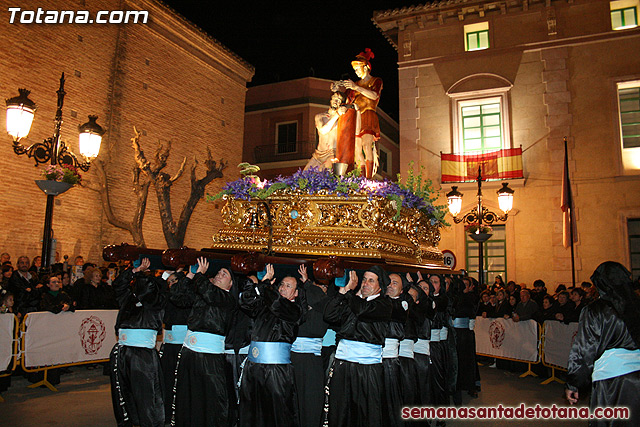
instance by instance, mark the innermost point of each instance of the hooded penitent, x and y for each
(383, 277)
(615, 285)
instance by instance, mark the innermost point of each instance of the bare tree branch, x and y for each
(174, 233)
(141, 190)
(180, 172)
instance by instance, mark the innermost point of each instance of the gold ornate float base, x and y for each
(322, 225)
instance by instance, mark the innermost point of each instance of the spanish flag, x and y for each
(501, 164)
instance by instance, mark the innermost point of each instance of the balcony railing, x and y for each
(269, 153)
(496, 165)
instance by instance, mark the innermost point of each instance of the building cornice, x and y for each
(391, 22)
(175, 28)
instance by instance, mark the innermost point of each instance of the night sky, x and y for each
(287, 39)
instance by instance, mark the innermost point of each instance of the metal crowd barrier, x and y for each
(555, 345)
(9, 335)
(505, 339)
(50, 341)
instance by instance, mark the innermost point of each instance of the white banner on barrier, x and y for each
(558, 339)
(7, 326)
(56, 339)
(506, 338)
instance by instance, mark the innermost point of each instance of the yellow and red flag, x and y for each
(501, 164)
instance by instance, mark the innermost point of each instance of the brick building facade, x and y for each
(166, 77)
(549, 69)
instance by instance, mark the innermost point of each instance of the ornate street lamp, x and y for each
(20, 113)
(480, 215)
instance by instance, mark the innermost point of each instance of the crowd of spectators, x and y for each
(25, 287)
(517, 302)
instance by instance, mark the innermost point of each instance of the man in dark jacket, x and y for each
(25, 288)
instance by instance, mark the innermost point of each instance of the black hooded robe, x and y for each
(392, 399)
(355, 390)
(268, 395)
(608, 323)
(176, 314)
(308, 366)
(137, 389)
(201, 392)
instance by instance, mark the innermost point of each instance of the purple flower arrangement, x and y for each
(313, 181)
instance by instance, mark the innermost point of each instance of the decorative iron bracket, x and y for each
(42, 152)
(488, 217)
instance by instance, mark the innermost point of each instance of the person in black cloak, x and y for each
(606, 351)
(137, 389)
(306, 354)
(440, 356)
(236, 349)
(464, 311)
(355, 384)
(268, 394)
(409, 377)
(392, 398)
(176, 314)
(424, 314)
(201, 383)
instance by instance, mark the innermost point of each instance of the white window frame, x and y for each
(630, 156)
(625, 4)
(278, 136)
(459, 100)
(474, 28)
(389, 160)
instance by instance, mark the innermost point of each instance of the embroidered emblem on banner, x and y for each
(92, 334)
(193, 340)
(255, 352)
(496, 334)
(169, 336)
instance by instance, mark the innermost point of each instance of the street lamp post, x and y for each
(20, 114)
(480, 215)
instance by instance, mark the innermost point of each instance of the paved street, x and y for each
(84, 399)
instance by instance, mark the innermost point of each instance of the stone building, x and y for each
(477, 76)
(166, 77)
(280, 133)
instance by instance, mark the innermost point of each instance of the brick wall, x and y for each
(165, 77)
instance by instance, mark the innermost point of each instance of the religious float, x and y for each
(330, 221)
(323, 215)
(317, 214)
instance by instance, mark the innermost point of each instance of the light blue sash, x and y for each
(422, 346)
(145, 338)
(359, 352)
(270, 353)
(435, 335)
(307, 345)
(444, 333)
(406, 348)
(390, 349)
(461, 322)
(176, 335)
(329, 338)
(204, 342)
(616, 362)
